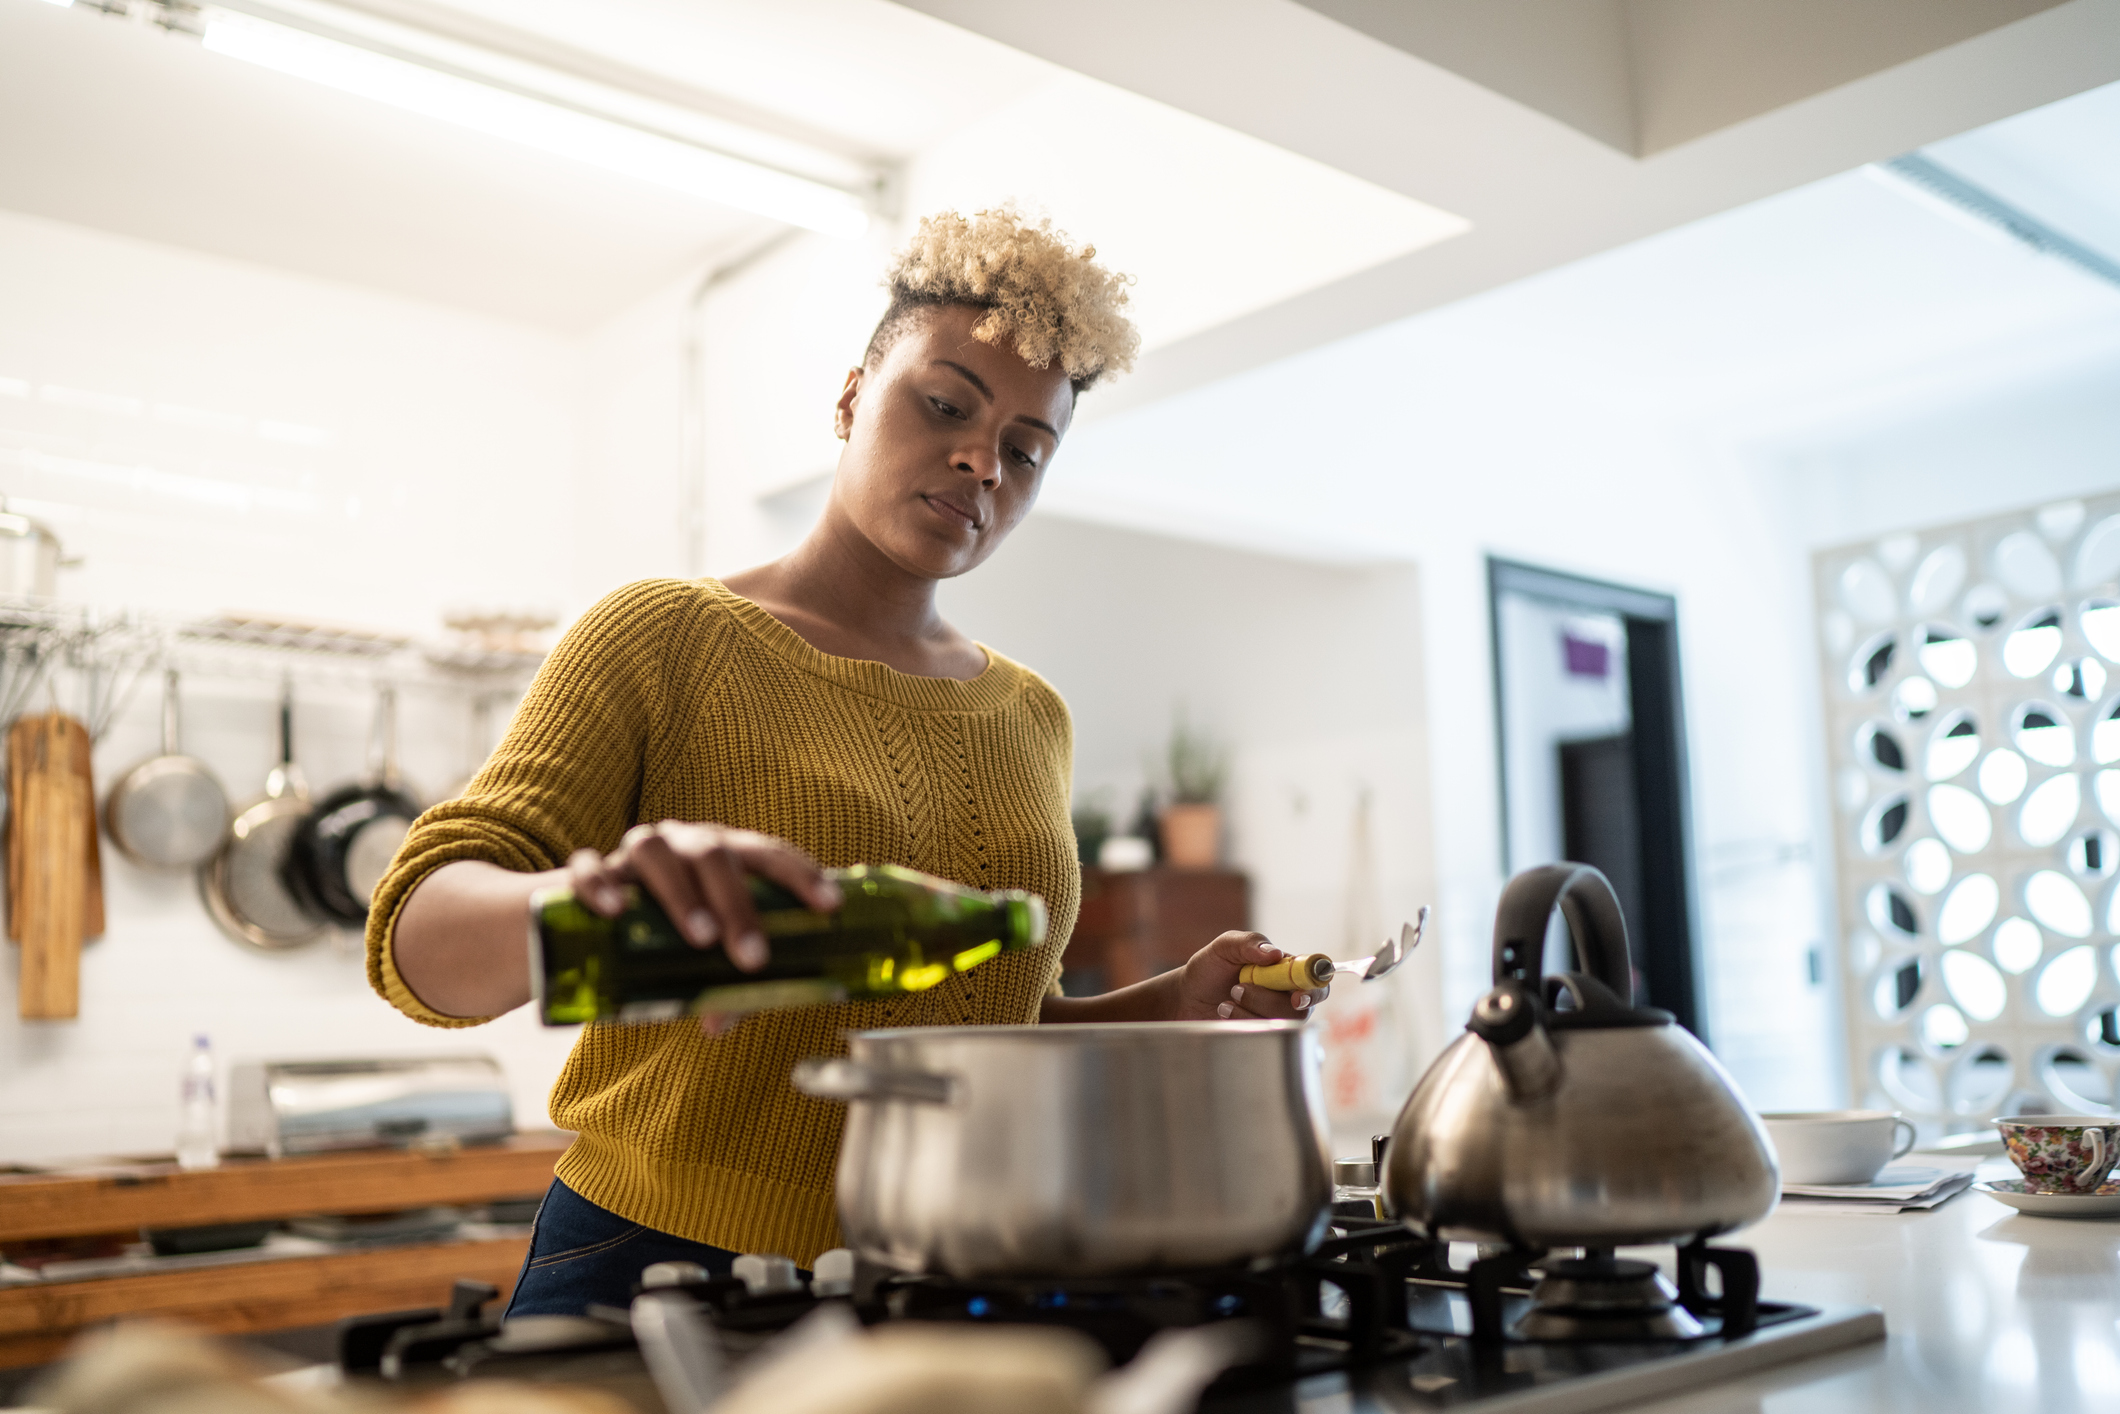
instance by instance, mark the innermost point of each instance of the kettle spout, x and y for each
(1507, 1020)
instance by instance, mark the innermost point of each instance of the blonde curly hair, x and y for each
(1051, 298)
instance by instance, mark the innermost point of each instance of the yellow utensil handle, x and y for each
(1290, 974)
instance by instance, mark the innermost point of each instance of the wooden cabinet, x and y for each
(1135, 925)
(38, 1319)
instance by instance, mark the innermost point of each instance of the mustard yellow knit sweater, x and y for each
(679, 700)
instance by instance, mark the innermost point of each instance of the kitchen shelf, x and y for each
(38, 1320)
(111, 651)
(122, 1198)
(274, 1291)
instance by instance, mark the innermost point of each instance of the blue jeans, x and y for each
(581, 1255)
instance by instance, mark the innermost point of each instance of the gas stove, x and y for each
(1376, 1315)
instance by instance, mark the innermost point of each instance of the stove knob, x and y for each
(833, 1273)
(661, 1274)
(767, 1275)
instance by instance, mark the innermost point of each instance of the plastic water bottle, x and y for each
(196, 1146)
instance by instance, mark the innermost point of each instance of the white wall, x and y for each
(1440, 439)
(1545, 705)
(2029, 424)
(434, 465)
(1437, 442)
(462, 461)
(1691, 414)
(420, 458)
(1313, 675)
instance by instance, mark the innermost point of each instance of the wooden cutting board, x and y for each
(92, 904)
(50, 819)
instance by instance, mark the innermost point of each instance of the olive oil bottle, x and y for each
(896, 931)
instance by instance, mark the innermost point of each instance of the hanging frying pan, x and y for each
(168, 812)
(242, 883)
(344, 847)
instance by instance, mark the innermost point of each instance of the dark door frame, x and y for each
(1667, 938)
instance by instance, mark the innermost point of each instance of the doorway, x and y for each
(1592, 730)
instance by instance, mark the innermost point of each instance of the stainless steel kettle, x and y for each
(1592, 1124)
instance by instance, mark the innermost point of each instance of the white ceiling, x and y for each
(1813, 315)
(1212, 224)
(1540, 192)
(127, 129)
(1645, 75)
(2061, 163)
(145, 134)
(875, 77)
(1276, 178)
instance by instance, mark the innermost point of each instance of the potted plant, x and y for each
(1093, 826)
(1191, 825)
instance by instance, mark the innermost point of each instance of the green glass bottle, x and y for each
(897, 930)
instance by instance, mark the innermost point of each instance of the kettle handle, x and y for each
(1585, 898)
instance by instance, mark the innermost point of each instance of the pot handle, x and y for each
(171, 729)
(837, 1078)
(1585, 898)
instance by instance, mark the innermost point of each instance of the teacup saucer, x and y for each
(2100, 1202)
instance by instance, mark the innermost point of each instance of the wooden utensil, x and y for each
(81, 752)
(17, 752)
(53, 810)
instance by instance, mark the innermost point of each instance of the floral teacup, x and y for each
(2062, 1153)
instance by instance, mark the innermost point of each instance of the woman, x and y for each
(817, 711)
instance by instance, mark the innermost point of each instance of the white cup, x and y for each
(1836, 1146)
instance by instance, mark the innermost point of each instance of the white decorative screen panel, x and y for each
(1972, 680)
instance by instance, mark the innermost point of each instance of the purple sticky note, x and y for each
(1585, 658)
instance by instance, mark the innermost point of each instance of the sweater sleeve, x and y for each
(566, 776)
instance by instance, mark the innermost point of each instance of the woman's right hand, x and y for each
(696, 872)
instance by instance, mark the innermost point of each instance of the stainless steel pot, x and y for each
(1078, 1150)
(30, 557)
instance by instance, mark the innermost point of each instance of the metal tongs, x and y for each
(1312, 970)
(1368, 969)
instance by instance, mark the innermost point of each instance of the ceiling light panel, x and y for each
(493, 66)
(534, 123)
(536, 107)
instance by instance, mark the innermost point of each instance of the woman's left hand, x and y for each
(1208, 986)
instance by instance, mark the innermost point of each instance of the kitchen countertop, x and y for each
(1986, 1309)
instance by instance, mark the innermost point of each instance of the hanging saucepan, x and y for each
(168, 812)
(341, 852)
(243, 884)
(30, 557)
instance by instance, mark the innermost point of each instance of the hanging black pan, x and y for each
(342, 850)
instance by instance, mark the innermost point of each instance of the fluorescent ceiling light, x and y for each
(1930, 184)
(624, 105)
(547, 127)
